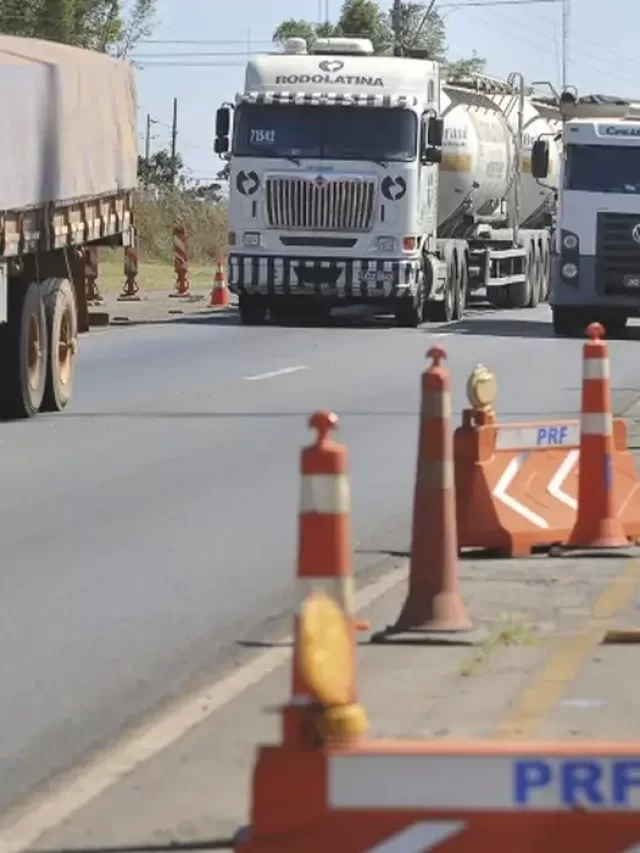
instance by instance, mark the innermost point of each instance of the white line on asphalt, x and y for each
(272, 373)
(17, 834)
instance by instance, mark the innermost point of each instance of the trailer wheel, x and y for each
(23, 351)
(534, 277)
(62, 328)
(545, 272)
(461, 287)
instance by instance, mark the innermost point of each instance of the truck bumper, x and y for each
(337, 281)
(586, 290)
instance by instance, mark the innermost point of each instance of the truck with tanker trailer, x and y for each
(596, 268)
(362, 179)
(68, 168)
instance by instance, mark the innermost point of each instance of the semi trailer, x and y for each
(596, 268)
(362, 179)
(68, 168)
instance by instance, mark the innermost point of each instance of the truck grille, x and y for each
(337, 205)
(618, 254)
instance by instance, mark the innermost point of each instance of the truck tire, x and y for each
(62, 330)
(534, 276)
(410, 310)
(462, 283)
(23, 351)
(442, 312)
(253, 309)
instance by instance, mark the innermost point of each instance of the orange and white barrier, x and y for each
(324, 549)
(598, 524)
(180, 262)
(219, 291)
(130, 288)
(411, 797)
(433, 603)
(517, 483)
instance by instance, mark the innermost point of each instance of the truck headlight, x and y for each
(569, 270)
(251, 238)
(386, 244)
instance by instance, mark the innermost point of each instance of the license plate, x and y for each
(632, 282)
(373, 276)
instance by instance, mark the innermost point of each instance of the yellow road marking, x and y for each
(540, 696)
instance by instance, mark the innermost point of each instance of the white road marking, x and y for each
(18, 833)
(272, 373)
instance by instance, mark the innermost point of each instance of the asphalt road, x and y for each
(152, 526)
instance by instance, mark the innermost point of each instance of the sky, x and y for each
(602, 54)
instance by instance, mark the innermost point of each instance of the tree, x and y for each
(157, 172)
(420, 30)
(111, 26)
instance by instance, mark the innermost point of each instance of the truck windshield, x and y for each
(603, 169)
(332, 133)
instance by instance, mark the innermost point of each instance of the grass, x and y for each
(510, 633)
(206, 226)
(152, 275)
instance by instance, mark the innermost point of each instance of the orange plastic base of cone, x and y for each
(219, 297)
(607, 533)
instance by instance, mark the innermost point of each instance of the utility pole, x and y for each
(396, 20)
(147, 141)
(566, 11)
(174, 138)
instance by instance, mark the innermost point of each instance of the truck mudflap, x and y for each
(344, 279)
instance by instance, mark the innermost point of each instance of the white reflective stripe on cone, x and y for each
(436, 404)
(596, 424)
(325, 494)
(338, 588)
(595, 368)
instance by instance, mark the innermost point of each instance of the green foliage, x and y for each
(419, 30)
(156, 215)
(112, 26)
(159, 171)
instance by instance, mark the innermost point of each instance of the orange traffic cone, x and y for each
(596, 525)
(219, 291)
(434, 603)
(324, 552)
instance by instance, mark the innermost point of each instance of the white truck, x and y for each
(68, 168)
(596, 269)
(361, 179)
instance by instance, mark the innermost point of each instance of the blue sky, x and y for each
(603, 54)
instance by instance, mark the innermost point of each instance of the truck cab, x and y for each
(333, 181)
(596, 269)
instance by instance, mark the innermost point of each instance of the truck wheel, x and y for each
(442, 312)
(253, 309)
(62, 329)
(534, 278)
(462, 283)
(23, 352)
(545, 273)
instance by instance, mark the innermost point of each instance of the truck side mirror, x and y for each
(433, 155)
(223, 125)
(223, 122)
(221, 145)
(540, 159)
(435, 132)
